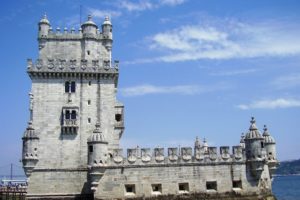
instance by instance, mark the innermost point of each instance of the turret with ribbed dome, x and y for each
(44, 26)
(30, 149)
(97, 159)
(270, 146)
(254, 142)
(97, 147)
(89, 28)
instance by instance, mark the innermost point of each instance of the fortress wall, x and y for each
(115, 180)
(68, 182)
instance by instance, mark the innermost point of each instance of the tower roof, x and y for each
(89, 22)
(253, 133)
(44, 20)
(267, 137)
(97, 135)
(107, 21)
(30, 132)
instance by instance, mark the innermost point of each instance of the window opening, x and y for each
(130, 189)
(73, 114)
(91, 149)
(156, 188)
(68, 116)
(237, 184)
(183, 187)
(118, 117)
(67, 86)
(211, 185)
(73, 86)
(89, 102)
(89, 120)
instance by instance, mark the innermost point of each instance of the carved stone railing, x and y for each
(145, 156)
(70, 126)
(62, 65)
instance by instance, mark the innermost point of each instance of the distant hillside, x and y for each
(289, 167)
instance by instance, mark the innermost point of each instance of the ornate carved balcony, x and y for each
(69, 126)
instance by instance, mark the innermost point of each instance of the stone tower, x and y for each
(73, 96)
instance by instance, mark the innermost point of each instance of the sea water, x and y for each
(286, 187)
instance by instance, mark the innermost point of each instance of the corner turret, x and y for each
(254, 147)
(89, 28)
(270, 146)
(97, 156)
(44, 27)
(30, 149)
(107, 36)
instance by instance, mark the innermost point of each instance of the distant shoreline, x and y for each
(286, 175)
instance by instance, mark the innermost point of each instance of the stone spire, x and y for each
(253, 130)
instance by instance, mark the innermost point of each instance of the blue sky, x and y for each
(188, 68)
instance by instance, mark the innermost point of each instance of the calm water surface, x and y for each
(287, 187)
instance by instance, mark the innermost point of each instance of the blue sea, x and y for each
(287, 187)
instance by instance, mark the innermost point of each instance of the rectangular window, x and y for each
(237, 184)
(68, 115)
(73, 86)
(130, 189)
(211, 185)
(183, 187)
(70, 87)
(73, 114)
(156, 188)
(67, 86)
(91, 149)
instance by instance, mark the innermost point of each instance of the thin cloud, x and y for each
(233, 73)
(142, 5)
(271, 104)
(216, 41)
(147, 89)
(100, 14)
(288, 81)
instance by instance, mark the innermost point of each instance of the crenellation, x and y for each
(145, 156)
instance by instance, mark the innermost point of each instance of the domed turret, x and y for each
(242, 141)
(89, 28)
(269, 144)
(197, 143)
(44, 26)
(97, 156)
(30, 149)
(107, 34)
(205, 146)
(97, 147)
(270, 147)
(254, 142)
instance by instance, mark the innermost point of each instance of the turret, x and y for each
(107, 29)
(44, 26)
(270, 147)
(107, 36)
(97, 156)
(254, 147)
(30, 149)
(89, 28)
(242, 141)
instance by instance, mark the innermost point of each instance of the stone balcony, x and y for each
(70, 126)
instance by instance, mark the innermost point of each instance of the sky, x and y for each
(187, 68)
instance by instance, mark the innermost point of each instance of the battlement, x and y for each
(72, 34)
(174, 156)
(62, 65)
